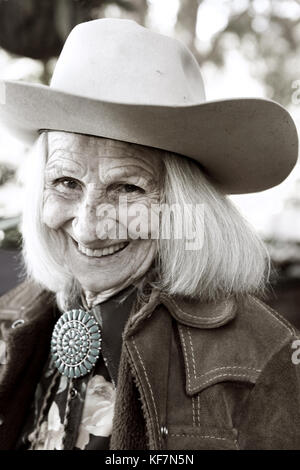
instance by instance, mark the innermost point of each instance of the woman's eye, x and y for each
(132, 188)
(127, 188)
(67, 184)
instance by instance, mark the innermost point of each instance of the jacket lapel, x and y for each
(146, 349)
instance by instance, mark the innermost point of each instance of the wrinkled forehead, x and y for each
(84, 148)
(91, 144)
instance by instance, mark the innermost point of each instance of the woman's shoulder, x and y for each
(20, 301)
(264, 331)
(233, 339)
(264, 320)
(271, 416)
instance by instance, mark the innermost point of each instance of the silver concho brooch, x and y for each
(75, 343)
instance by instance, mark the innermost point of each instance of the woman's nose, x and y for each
(84, 224)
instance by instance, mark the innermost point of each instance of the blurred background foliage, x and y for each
(244, 47)
(266, 32)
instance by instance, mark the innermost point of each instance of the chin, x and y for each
(100, 286)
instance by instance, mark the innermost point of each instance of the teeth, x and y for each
(104, 252)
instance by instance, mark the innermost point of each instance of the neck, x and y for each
(91, 299)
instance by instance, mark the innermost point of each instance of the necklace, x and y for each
(75, 343)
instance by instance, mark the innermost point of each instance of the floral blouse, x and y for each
(78, 413)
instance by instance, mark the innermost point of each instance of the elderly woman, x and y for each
(138, 325)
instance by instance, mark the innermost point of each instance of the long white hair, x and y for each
(232, 258)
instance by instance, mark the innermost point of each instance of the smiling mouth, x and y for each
(110, 250)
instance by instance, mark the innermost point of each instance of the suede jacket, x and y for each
(191, 376)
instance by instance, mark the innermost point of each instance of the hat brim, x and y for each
(245, 145)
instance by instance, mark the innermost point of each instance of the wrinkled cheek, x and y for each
(143, 223)
(55, 213)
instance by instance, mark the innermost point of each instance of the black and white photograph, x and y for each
(149, 227)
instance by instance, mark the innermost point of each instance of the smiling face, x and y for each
(90, 183)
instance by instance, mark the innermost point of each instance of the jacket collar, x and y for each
(187, 312)
(200, 314)
(219, 333)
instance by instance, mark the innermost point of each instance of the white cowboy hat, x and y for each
(119, 80)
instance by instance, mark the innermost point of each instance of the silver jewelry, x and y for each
(76, 343)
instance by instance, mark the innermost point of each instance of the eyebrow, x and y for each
(56, 164)
(117, 172)
(57, 172)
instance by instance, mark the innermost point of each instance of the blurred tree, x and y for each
(187, 22)
(38, 28)
(135, 9)
(6, 173)
(267, 33)
(34, 28)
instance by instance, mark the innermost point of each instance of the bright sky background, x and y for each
(233, 81)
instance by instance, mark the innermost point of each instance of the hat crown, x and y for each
(120, 61)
